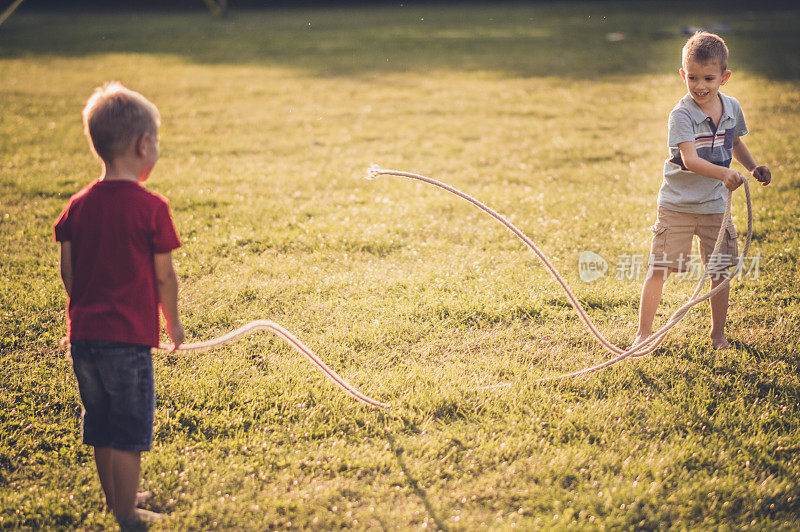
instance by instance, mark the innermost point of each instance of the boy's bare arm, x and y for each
(731, 178)
(66, 266)
(168, 296)
(742, 154)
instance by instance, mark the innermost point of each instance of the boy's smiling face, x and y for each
(703, 80)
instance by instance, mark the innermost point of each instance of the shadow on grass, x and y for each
(750, 350)
(412, 482)
(576, 40)
(754, 382)
(138, 526)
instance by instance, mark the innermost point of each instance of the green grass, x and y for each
(417, 299)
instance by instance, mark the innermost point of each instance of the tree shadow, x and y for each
(579, 41)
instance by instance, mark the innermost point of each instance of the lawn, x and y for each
(270, 121)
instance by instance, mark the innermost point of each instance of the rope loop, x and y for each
(647, 345)
(293, 342)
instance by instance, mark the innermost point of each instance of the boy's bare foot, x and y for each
(639, 339)
(139, 519)
(720, 343)
(143, 496)
(147, 516)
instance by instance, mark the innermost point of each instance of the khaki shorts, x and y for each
(672, 241)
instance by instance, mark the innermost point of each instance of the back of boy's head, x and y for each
(704, 48)
(114, 117)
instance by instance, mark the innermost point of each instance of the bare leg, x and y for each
(126, 468)
(719, 315)
(102, 459)
(651, 297)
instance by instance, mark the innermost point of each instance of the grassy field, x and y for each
(270, 119)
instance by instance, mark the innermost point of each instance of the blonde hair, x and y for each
(114, 117)
(705, 47)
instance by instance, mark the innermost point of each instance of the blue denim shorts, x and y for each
(115, 382)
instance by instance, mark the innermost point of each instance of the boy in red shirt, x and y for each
(116, 263)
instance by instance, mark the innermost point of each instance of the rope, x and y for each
(647, 345)
(289, 338)
(7, 13)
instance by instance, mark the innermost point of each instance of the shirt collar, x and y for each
(698, 115)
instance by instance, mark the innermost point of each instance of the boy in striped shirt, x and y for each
(705, 131)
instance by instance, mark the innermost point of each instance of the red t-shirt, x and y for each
(115, 228)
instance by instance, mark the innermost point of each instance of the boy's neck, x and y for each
(106, 176)
(118, 171)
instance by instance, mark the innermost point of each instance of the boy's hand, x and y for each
(177, 334)
(732, 179)
(762, 175)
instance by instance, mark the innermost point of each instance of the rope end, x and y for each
(373, 171)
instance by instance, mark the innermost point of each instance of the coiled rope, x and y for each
(290, 339)
(647, 345)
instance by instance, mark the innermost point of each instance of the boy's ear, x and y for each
(140, 145)
(726, 76)
(683, 74)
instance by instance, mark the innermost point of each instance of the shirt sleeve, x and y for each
(680, 128)
(62, 228)
(165, 238)
(741, 125)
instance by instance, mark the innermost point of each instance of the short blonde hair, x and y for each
(705, 47)
(114, 117)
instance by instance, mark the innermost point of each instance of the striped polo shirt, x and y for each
(686, 191)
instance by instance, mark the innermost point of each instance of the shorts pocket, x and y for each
(658, 248)
(731, 243)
